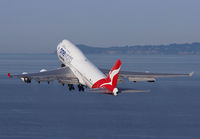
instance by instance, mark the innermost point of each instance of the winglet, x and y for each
(191, 73)
(9, 75)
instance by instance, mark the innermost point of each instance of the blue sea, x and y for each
(171, 110)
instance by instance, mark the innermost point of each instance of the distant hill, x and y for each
(180, 49)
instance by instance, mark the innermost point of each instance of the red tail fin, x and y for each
(110, 82)
(114, 74)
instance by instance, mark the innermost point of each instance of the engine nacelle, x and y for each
(26, 80)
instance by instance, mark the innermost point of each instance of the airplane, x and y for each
(77, 69)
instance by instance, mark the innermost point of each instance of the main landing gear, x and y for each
(71, 87)
(80, 87)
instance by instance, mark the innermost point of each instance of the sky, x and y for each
(37, 26)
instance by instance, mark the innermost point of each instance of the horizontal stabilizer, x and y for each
(124, 90)
(133, 91)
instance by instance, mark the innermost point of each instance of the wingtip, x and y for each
(191, 74)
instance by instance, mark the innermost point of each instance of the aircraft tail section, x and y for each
(110, 82)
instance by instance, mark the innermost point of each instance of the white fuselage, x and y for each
(86, 72)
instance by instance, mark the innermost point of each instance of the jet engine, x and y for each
(25, 79)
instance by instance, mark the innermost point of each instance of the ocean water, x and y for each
(171, 110)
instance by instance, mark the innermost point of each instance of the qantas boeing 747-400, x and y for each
(76, 69)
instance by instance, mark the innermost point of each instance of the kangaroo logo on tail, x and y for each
(110, 82)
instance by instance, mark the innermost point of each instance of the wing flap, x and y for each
(140, 79)
(69, 81)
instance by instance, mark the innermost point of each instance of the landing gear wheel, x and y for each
(71, 87)
(62, 65)
(80, 87)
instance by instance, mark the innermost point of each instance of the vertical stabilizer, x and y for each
(110, 82)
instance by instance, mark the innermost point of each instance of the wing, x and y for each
(63, 75)
(145, 76)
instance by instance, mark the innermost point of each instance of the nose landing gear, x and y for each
(62, 65)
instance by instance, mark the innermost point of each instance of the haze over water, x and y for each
(169, 111)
